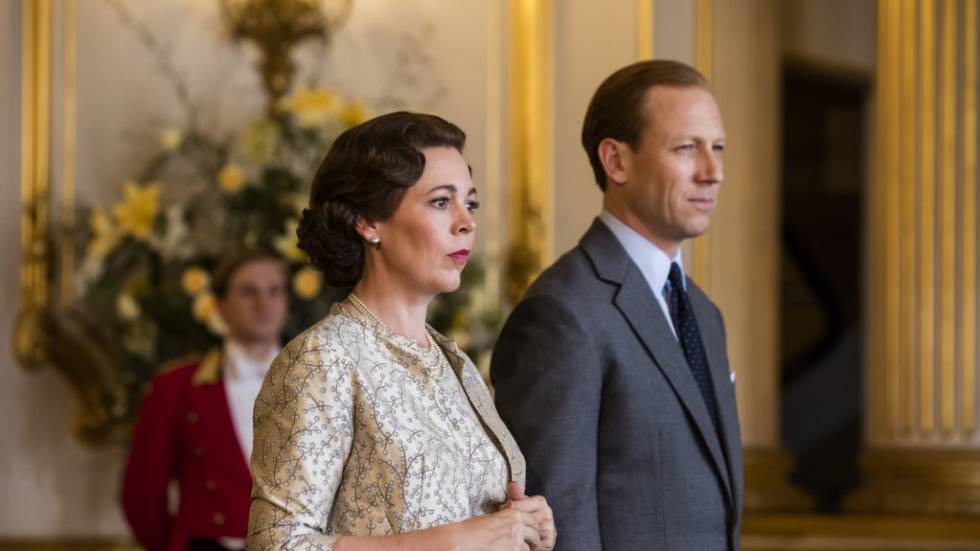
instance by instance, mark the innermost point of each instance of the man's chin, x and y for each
(697, 229)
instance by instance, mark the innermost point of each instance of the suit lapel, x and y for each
(641, 310)
(720, 378)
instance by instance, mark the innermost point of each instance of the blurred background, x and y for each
(147, 138)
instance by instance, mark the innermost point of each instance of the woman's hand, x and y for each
(509, 529)
(522, 524)
(538, 508)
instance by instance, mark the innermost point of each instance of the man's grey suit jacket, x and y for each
(598, 393)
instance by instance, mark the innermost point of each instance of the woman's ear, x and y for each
(614, 159)
(368, 231)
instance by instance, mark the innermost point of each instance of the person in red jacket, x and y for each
(194, 429)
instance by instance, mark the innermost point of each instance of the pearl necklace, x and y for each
(439, 360)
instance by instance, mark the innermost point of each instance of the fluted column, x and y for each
(921, 385)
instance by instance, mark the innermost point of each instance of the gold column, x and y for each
(531, 208)
(737, 45)
(923, 454)
(968, 246)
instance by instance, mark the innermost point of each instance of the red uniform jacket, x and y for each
(185, 433)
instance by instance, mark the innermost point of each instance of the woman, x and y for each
(372, 431)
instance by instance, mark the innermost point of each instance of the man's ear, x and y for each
(615, 161)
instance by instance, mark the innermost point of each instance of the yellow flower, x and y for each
(139, 208)
(354, 113)
(231, 178)
(312, 107)
(104, 234)
(287, 244)
(306, 283)
(204, 306)
(171, 138)
(216, 324)
(126, 307)
(194, 280)
(259, 142)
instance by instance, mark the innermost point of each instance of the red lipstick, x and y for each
(460, 255)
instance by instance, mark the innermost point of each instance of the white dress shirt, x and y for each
(653, 262)
(242, 378)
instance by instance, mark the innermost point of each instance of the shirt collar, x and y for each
(240, 365)
(653, 262)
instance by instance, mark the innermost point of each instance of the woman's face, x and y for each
(426, 242)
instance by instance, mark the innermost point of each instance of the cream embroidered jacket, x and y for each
(356, 435)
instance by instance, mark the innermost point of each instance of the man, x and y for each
(195, 424)
(612, 372)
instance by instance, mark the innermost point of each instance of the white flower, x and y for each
(174, 244)
(89, 271)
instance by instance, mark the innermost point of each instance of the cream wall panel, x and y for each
(674, 30)
(592, 40)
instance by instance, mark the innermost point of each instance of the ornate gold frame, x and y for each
(35, 192)
(48, 331)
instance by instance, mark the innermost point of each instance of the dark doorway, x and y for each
(825, 142)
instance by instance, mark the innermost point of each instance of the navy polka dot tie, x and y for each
(682, 315)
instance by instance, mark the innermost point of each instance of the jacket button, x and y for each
(198, 451)
(218, 519)
(192, 417)
(210, 485)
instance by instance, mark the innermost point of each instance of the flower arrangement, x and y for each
(147, 259)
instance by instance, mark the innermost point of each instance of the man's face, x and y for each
(255, 304)
(670, 183)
